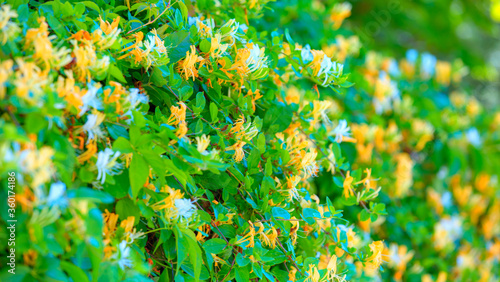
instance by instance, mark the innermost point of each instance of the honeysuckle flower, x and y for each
(187, 67)
(320, 109)
(93, 125)
(134, 99)
(202, 143)
(342, 132)
(411, 56)
(332, 268)
(306, 54)
(323, 66)
(292, 274)
(313, 274)
(110, 30)
(30, 82)
(250, 236)
(178, 114)
(254, 96)
(269, 238)
(376, 259)
(399, 256)
(308, 164)
(473, 137)
(340, 12)
(205, 28)
(443, 72)
(404, 174)
(229, 32)
(5, 72)
(57, 195)
(446, 231)
(428, 65)
(107, 165)
(169, 201)
(155, 51)
(393, 68)
(123, 255)
(256, 59)
(348, 192)
(8, 29)
(185, 208)
(37, 164)
(90, 99)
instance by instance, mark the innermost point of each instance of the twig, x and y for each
(232, 264)
(152, 21)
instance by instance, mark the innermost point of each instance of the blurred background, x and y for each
(452, 30)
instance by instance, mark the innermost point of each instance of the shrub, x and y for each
(169, 141)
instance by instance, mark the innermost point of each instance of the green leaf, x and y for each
(122, 145)
(76, 273)
(213, 112)
(280, 213)
(205, 46)
(277, 118)
(125, 208)
(116, 73)
(180, 43)
(242, 274)
(214, 246)
(139, 173)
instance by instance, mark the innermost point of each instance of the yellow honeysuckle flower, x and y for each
(269, 238)
(187, 67)
(367, 181)
(5, 72)
(67, 89)
(239, 154)
(169, 201)
(178, 114)
(320, 109)
(110, 220)
(89, 153)
(128, 223)
(348, 192)
(404, 174)
(202, 143)
(107, 27)
(340, 12)
(313, 274)
(292, 273)
(332, 267)
(294, 229)
(376, 259)
(443, 72)
(250, 236)
(255, 96)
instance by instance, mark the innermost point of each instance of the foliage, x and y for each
(201, 141)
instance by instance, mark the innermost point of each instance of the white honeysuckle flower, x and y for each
(56, 195)
(473, 137)
(106, 164)
(123, 255)
(90, 99)
(428, 64)
(306, 54)
(93, 126)
(341, 131)
(256, 60)
(185, 208)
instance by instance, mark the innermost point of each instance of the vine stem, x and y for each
(152, 21)
(232, 265)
